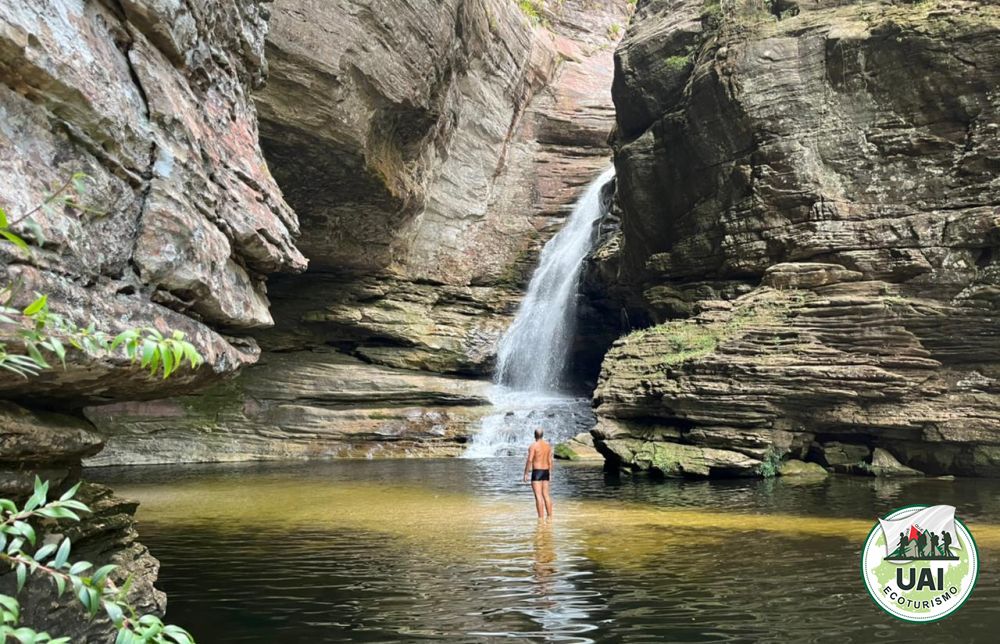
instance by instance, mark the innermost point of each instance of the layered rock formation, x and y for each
(429, 149)
(317, 404)
(178, 225)
(811, 215)
(182, 219)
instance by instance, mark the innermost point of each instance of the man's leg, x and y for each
(548, 499)
(536, 487)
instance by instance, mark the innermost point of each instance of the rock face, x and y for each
(429, 149)
(182, 219)
(429, 138)
(178, 225)
(315, 404)
(810, 215)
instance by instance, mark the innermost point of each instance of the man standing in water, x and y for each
(539, 464)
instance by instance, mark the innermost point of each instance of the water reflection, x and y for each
(404, 550)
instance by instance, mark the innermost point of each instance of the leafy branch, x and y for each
(60, 195)
(94, 589)
(37, 328)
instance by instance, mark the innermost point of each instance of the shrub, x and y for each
(20, 549)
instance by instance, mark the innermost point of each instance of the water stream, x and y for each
(532, 356)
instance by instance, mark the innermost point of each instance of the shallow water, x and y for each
(398, 551)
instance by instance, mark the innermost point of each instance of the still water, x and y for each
(408, 550)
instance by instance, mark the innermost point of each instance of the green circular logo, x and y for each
(920, 563)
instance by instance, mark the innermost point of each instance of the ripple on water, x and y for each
(412, 550)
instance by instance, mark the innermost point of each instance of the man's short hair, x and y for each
(539, 432)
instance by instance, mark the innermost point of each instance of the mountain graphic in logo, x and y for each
(927, 534)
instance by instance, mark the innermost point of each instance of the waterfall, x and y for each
(533, 353)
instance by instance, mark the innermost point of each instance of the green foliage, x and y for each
(40, 331)
(678, 62)
(614, 29)
(769, 465)
(28, 552)
(533, 10)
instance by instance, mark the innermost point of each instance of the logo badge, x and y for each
(920, 563)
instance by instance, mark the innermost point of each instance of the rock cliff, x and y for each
(180, 224)
(429, 150)
(183, 221)
(810, 214)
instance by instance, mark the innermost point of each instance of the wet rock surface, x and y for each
(809, 208)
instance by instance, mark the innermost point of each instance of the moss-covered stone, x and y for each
(795, 467)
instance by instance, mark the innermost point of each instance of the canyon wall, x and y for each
(176, 228)
(810, 210)
(429, 150)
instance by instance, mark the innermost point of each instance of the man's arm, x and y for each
(527, 463)
(551, 456)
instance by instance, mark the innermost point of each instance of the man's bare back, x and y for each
(540, 454)
(538, 467)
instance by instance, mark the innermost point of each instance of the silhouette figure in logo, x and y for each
(946, 546)
(904, 543)
(927, 545)
(921, 543)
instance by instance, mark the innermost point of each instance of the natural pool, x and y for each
(399, 551)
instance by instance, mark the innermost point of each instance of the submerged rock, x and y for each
(796, 467)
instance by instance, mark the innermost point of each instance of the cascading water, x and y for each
(532, 355)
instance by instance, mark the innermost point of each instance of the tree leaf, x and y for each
(114, 612)
(14, 239)
(168, 362)
(22, 576)
(154, 364)
(70, 493)
(63, 554)
(60, 585)
(59, 350)
(80, 567)
(58, 512)
(148, 350)
(37, 305)
(102, 573)
(25, 530)
(45, 551)
(95, 602)
(36, 355)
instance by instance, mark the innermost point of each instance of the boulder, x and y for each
(885, 464)
(578, 448)
(797, 468)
